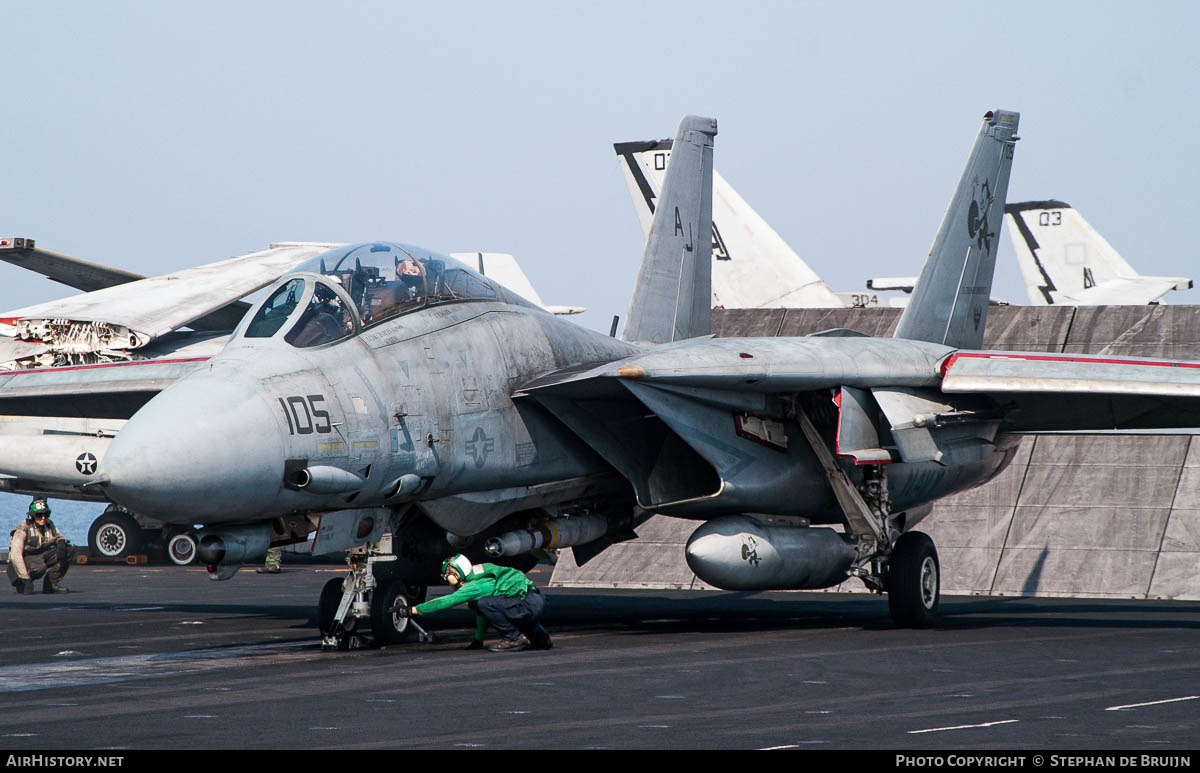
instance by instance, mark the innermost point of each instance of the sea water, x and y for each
(72, 518)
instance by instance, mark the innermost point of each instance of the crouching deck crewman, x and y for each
(38, 549)
(502, 597)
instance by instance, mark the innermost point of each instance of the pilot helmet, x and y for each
(38, 508)
(461, 566)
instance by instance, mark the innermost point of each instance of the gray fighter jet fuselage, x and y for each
(385, 395)
(390, 399)
(382, 389)
(420, 407)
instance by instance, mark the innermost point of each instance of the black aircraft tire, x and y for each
(388, 627)
(416, 593)
(914, 581)
(327, 607)
(115, 535)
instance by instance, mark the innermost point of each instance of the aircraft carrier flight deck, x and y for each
(153, 657)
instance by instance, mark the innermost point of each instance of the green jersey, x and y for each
(484, 580)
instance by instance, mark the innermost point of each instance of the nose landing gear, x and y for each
(369, 594)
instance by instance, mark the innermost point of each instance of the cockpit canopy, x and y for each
(382, 279)
(386, 279)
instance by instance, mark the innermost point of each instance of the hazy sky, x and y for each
(155, 136)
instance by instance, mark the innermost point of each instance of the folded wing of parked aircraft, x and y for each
(122, 319)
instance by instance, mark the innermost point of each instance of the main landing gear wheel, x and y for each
(115, 535)
(182, 549)
(388, 601)
(327, 607)
(914, 581)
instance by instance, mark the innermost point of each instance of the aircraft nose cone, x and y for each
(206, 448)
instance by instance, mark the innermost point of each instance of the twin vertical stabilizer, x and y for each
(671, 300)
(1065, 261)
(949, 305)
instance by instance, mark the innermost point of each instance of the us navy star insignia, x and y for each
(479, 446)
(86, 464)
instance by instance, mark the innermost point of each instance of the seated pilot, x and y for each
(412, 274)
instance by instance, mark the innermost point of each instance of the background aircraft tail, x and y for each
(950, 302)
(1065, 261)
(505, 269)
(752, 267)
(674, 284)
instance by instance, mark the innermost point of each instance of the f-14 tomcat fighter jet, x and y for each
(390, 398)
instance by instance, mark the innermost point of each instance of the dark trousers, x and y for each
(512, 616)
(52, 562)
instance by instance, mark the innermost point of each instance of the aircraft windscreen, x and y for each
(386, 279)
(276, 310)
(327, 319)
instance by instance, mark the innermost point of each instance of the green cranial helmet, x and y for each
(459, 563)
(38, 508)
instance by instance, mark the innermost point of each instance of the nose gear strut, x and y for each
(367, 593)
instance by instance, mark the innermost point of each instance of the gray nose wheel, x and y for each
(390, 622)
(914, 581)
(389, 613)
